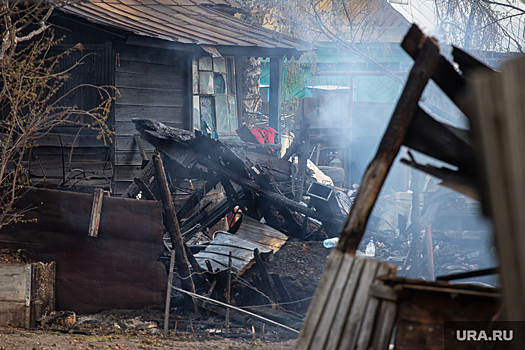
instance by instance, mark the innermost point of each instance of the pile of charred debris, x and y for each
(239, 231)
(247, 229)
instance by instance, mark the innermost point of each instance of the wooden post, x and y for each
(318, 154)
(303, 157)
(228, 292)
(375, 175)
(415, 226)
(143, 154)
(94, 222)
(174, 230)
(276, 74)
(430, 253)
(168, 295)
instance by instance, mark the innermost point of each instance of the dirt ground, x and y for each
(11, 339)
(300, 265)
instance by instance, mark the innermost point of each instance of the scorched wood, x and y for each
(174, 230)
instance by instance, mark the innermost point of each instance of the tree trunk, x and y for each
(251, 97)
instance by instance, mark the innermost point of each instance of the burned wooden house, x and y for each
(174, 61)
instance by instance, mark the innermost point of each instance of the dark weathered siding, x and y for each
(153, 84)
(72, 155)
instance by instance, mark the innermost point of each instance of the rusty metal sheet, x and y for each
(117, 269)
(252, 234)
(183, 21)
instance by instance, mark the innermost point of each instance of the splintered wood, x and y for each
(344, 313)
(498, 130)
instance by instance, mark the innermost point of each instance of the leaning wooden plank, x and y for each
(174, 230)
(344, 305)
(315, 312)
(358, 307)
(375, 175)
(491, 138)
(512, 127)
(323, 331)
(94, 222)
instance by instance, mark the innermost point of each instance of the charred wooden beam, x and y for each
(271, 196)
(219, 211)
(143, 154)
(452, 179)
(469, 64)
(173, 228)
(265, 278)
(252, 145)
(190, 149)
(144, 189)
(145, 175)
(445, 76)
(284, 295)
(195, 199)
(195, 217)
(375, 175)
(443, 142)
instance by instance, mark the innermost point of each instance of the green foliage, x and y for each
(295, 76)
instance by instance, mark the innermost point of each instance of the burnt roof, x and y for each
(186, 22)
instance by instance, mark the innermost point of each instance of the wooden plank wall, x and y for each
(72, 153)
(498, 130)
(80, 158)
(153, 84)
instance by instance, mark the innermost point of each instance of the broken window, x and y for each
(214, 102)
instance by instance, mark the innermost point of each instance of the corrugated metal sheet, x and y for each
(251, 234)
(183, 21)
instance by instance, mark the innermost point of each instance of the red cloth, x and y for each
(265, 134)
